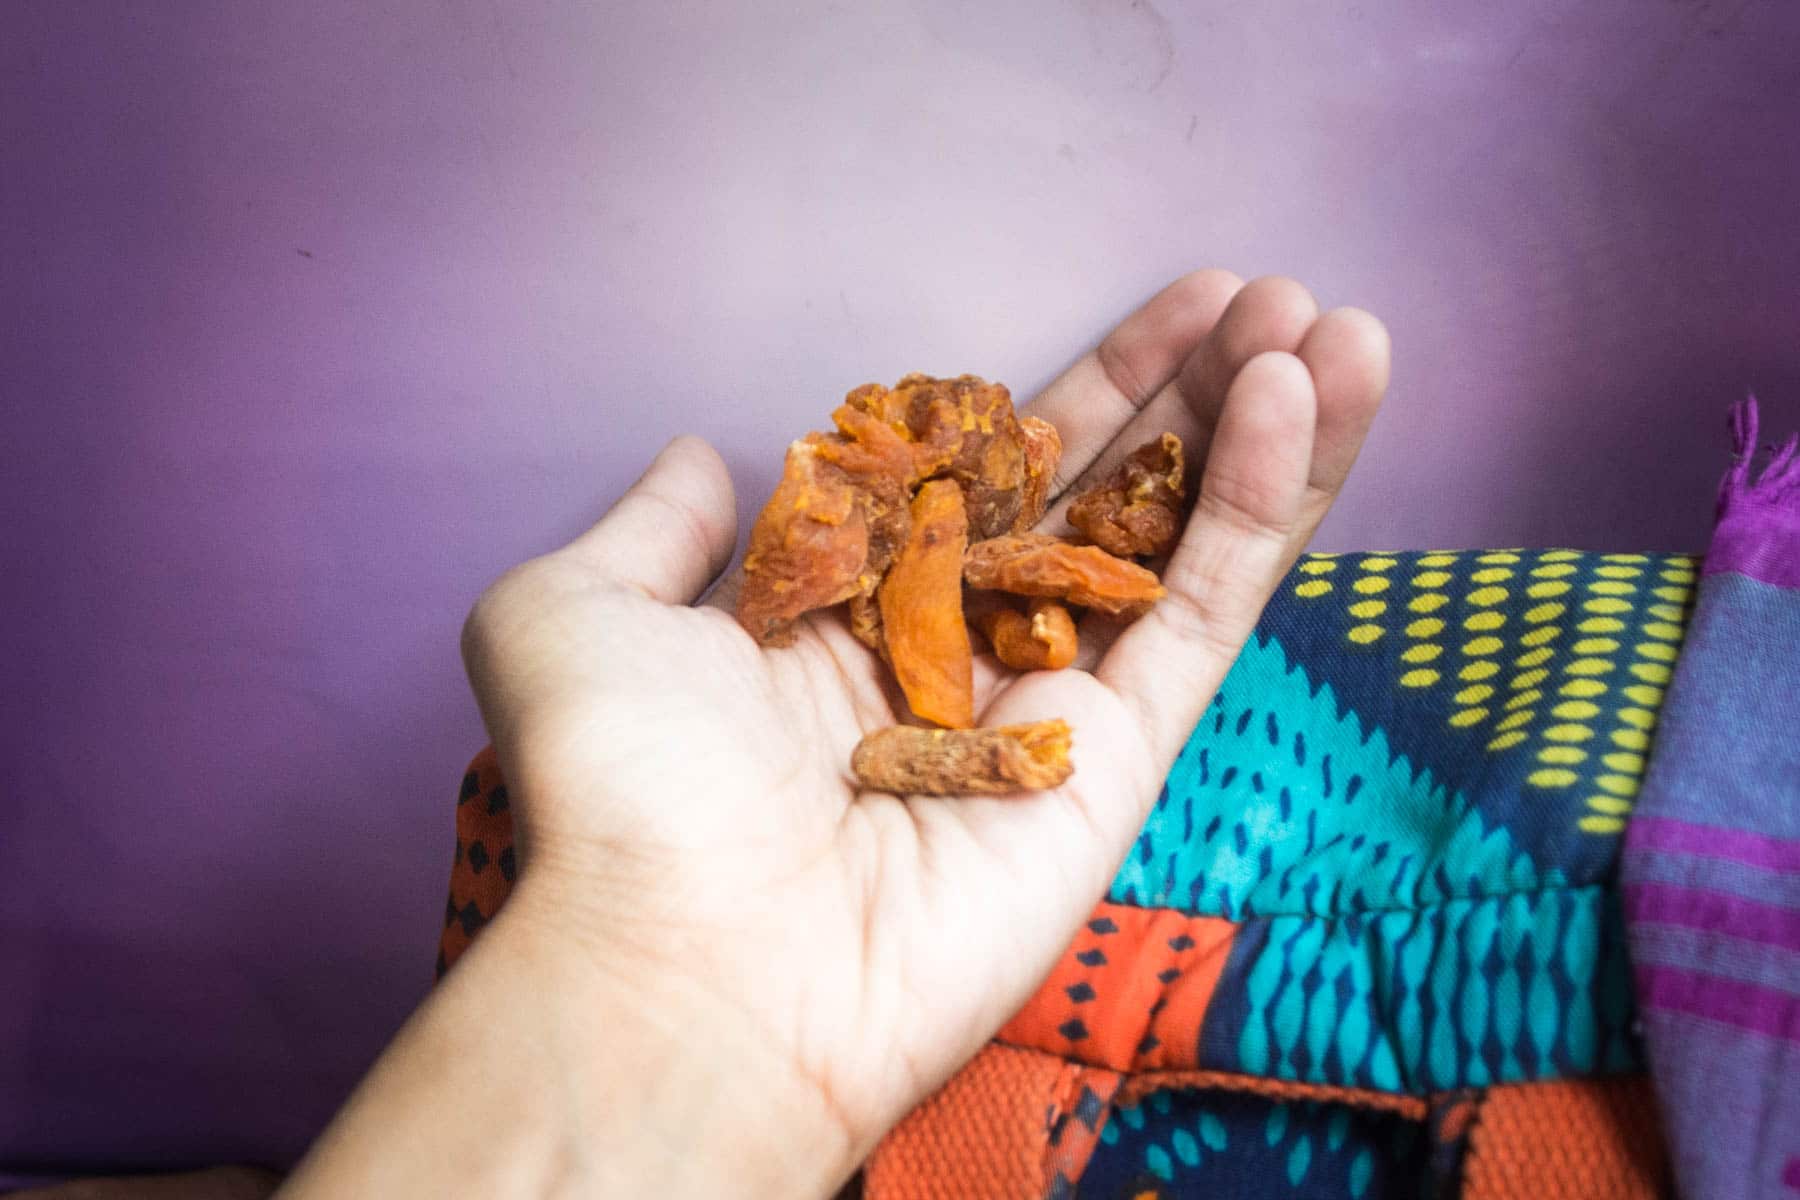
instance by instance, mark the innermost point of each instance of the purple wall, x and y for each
(315, 316)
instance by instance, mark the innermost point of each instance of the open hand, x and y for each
(690, 830)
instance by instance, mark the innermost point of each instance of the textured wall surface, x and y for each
(316, 316)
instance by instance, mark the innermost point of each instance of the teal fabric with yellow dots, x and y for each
(1410, 792)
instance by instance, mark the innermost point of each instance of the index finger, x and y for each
(1237, 545)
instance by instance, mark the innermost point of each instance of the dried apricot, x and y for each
(842, 496)
(955, 762)
(1036, 564)
(807, 549)
(964, 428)
(1043, 451)
(879, 465)
(1138, 509)
(922, 613)
(1043, 639)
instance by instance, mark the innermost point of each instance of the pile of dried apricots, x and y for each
(917, 512)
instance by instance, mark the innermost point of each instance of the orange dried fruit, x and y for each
(1042, 639)
(807, 548)
(922, 613)
(925, 487)
(1043, 452)
(964, 762)
(1036, 564)
(1137, 510)
(964, 428)
(842, 500)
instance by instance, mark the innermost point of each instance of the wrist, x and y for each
(551, 1065)
(664, 1077)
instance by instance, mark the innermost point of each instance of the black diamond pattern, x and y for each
(1091, 958)
(498, 800)
(478, 857)
(1087, 1109)
(1080, 993)
(1073, 1029)
(509, 866)
(1102, 925)
(471, 787)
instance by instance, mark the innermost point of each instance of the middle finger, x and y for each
(1272, 313)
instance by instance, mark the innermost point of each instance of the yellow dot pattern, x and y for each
(1562, 654)
(1655, 645)
(1425, 632)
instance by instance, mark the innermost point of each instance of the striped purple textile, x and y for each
(1698, 908)
(1711, 865)
(1723, 845)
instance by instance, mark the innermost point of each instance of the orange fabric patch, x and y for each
(1004, 1127)
(478, 881)
(1589, 1139)
(1130, 993)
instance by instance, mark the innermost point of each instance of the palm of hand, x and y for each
(687, 792)
(742, 843)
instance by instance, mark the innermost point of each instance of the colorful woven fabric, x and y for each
(1566, 1140)
(1210, 1136)
(1371, 940)
(1240, 1143)
(1712, 863)
(1385, 859)
(1013, 1123)
(1383, 867)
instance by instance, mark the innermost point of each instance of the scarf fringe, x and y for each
(1777, 485)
